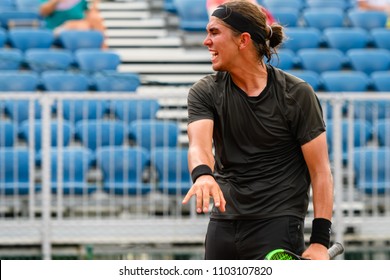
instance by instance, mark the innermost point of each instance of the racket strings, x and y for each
(282, 256)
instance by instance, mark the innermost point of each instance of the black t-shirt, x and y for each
(259, 164)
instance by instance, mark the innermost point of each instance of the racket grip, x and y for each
(335, 250)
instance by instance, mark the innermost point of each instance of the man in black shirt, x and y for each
(270, 144)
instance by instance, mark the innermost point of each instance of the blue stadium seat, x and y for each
(382, 130)
(369, 60)
(40, 60)
(7, 5)
(320, 4)
(381, 37)
(111, 81)
(27, 5)
(320, 60)
(30, 38)
(8, 133)
(10, 59)
(371, 111)
(18, 81)
(367, 19)
(123, 169)
(150, 134)
(102, 132)
(172, 170)
(288, 17)
(371, 164)
(361, 131)
(302, 38)
(346, 38)
(381, 80)
(76, 162)
(348, 81)
(192, 14)
(96, 60)
(285, 59)
(10, 19)
(14, 171)
(64, 81)
(273, 5)
(135, 109)
(322, 18)
(66, 131)
(169, 6)
(19, 110)
(311, 77)
(3, 37)
(81, 39)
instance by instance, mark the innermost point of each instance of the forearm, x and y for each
(198, 156)
(322, 186)
(48, 7)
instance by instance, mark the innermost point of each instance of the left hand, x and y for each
(316, 252)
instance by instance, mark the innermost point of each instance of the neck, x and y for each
(252, 80)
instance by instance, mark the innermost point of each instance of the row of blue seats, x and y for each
(341, 38)
(328, 59)
(19, 5)
(28, 38)
(68, 81)
(122, 168)
(147, 133)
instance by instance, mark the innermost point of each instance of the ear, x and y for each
(245, 39)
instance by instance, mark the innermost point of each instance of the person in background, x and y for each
(212, 4)
(62, 15)
(257, 144)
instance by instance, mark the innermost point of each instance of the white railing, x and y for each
(99, 216)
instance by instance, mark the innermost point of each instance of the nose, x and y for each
(207, 41)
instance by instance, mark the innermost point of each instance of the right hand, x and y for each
(204, 188)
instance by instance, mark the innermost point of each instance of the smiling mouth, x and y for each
(214, 55)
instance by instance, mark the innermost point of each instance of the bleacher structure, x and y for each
(93, 150)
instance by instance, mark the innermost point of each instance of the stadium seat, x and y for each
(10, 59)
(66, 133)
(76, 162)
(320, 60)
(381, 37)
(10, 19)
(8, 133)
(19, 110)
(14, 171)
(135, 109)
(40, 60)
(287, 17)
(371, 164)
(273, 5)
(320, 4)
(371, 110)
(64, 81)
(173, 176)
(27, 5)
(18, 81)
(360, 130)
(29, 38)
(285, 59)
(3, 37)
(369, 60)
(367, 19)
(150, 134)
(169, 6)
(73, 40)
(113, 81)
(93, 60)
(311, 77)
(382, 130)
(102, 132)
(346, 38)
(323, 18)
(123, 169)
(7, 5)
(381, 80)
(348, 81)
(302, 38)
(192, 14)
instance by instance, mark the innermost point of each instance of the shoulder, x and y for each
(209, 84)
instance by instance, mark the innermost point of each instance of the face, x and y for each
(222, 45)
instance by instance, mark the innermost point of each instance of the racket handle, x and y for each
(335, 250)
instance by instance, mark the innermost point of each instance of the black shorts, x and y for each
(253, 239)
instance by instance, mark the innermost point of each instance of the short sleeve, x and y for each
(200, 100)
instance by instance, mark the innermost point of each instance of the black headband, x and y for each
(239, 22)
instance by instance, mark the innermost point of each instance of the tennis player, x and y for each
(257, 143)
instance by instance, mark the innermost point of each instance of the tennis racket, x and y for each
(286, 255)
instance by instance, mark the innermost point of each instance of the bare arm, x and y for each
(48, 7)
(200, 135)
(316, 156)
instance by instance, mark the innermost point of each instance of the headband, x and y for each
(239, 22)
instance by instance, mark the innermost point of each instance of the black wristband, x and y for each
(320, 233)
(200, 170)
